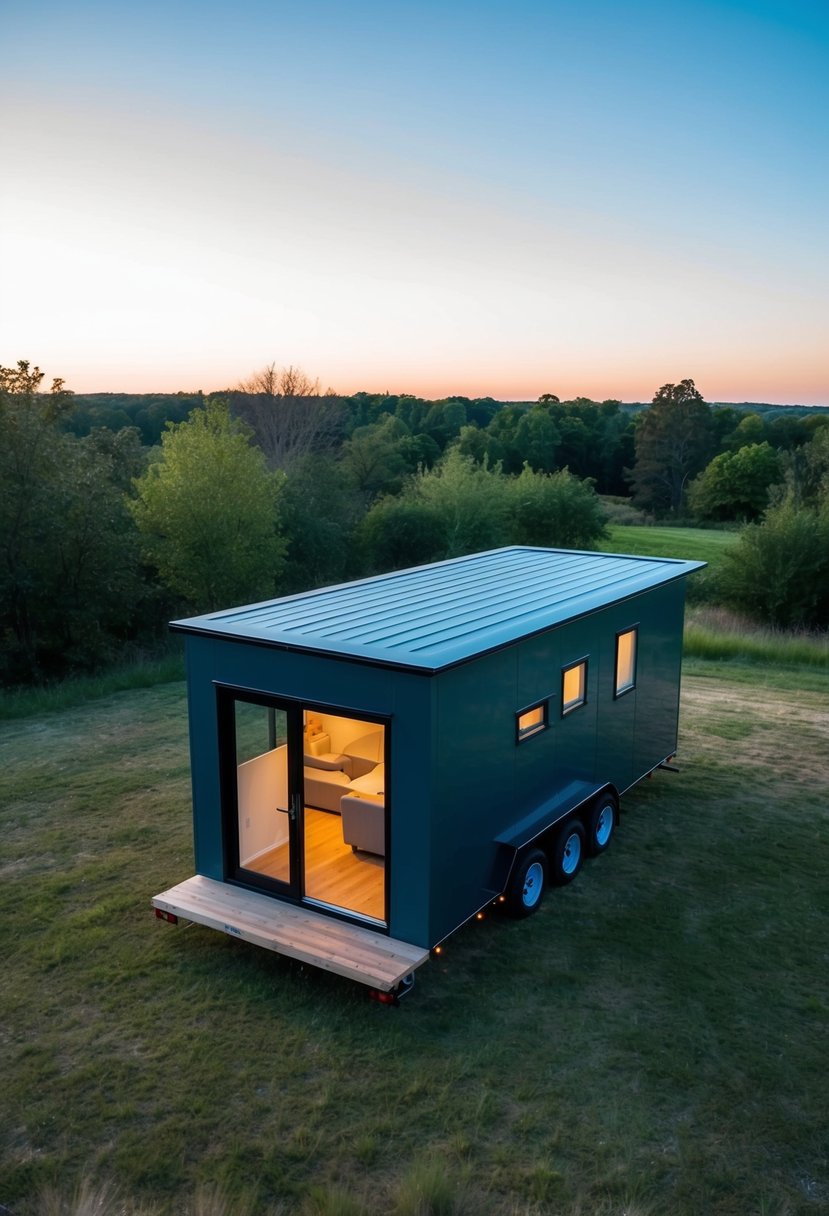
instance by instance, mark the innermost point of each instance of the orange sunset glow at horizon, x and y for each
(487, 202)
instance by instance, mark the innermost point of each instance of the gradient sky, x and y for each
(578, 196)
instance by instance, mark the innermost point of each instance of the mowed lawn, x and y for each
(692, 544)
(655, 1040)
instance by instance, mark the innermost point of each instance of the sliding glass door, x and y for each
(261, 760)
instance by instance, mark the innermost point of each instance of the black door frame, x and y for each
(227, 696)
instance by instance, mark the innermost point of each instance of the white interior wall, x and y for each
(262, 789)
(343, 731)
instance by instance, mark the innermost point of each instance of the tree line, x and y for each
(113, 519)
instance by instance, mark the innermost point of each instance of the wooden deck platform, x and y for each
(323, 941)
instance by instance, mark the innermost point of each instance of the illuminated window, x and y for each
(531, 721)
(625, 661)
(573, 686)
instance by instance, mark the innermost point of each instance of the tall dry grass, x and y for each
(719, 634)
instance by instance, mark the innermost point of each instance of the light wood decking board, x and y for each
(311, 937)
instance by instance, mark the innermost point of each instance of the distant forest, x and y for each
(149, 413)
(118, 511)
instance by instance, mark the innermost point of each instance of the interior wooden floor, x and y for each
(334, 874)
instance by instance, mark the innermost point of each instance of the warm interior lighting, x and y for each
(625, 661)
(573, 686)
(532, 720)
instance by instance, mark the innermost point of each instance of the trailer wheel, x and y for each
(600, 824)
(525, 889)
(568, 853)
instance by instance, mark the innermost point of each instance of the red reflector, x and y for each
(162, 914)
(385, 998)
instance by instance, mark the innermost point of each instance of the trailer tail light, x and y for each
(383, 998)
(163, 914)
(396, 994)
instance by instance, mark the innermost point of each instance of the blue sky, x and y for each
(486, 198)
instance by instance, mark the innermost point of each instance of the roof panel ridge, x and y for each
(469, 607)
(466, 626)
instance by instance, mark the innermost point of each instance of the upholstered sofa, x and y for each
(364, 822)
(329, 776)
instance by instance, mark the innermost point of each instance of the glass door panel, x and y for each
(344, 835)
(265, 800)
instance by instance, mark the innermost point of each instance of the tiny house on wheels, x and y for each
(376, 762)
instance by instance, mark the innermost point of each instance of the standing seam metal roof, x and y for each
(432, 617)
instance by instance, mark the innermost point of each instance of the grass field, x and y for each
(693, 544)
(653, 1041)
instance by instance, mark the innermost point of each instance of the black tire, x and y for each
(600, 824)
(567, 853)
(527, 884)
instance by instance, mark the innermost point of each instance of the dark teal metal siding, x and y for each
(487, 782)
(448, 655)
(658, 678)
(404, 699)
(474, 784)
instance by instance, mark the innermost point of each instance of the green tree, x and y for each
(557, 510)
(735, 485)
(778, 572)
(444, 421)
(374, 456)
(455, 508)
(788, 431)
(749, 429)
(462, 507)
(673, 444)
(469, 500)
(419, 451)
(615, 449)
(412, 411)
(29, 451)
(207, 511)
(806, 469)
(580, 437)
(93, 589)
(479, 444)
(536, 438)
(401, 532)
(502, 430)
(70, 590)
(320, 508)
(724, 421)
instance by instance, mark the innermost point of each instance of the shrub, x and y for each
(557, 509)
(619, 510)
(778, 572)
(735, 485)
(400, 532)
(461, 507)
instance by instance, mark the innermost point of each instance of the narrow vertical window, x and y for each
(573, 686)
(530, 722)
(625, 661)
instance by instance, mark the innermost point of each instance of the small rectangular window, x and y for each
(573, 686)
(625, 661)
(531, 721)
